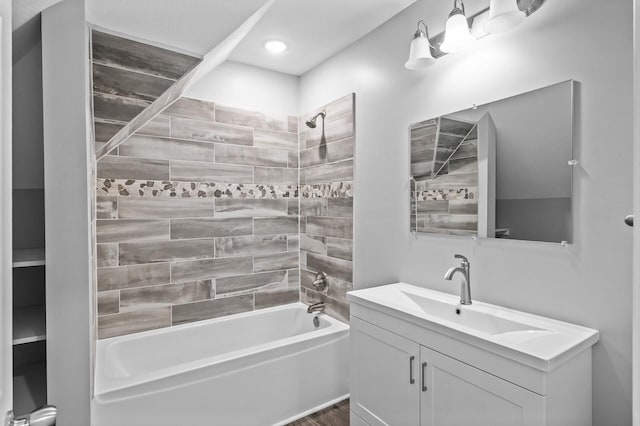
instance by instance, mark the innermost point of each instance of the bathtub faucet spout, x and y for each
(316, 307)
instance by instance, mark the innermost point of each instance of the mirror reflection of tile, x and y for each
(519, 189)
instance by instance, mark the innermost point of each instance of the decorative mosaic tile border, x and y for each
(149, 188)
(327, 190)
(444, 194)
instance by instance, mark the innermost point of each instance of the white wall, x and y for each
(6, 363)
(245, 86)
(587, 283)
(65, 71)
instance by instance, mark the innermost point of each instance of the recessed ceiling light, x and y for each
(275, 46)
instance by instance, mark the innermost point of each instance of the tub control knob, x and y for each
(321, 283)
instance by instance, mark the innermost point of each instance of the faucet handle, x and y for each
(464, 259)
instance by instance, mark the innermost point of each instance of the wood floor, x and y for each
(336, 415)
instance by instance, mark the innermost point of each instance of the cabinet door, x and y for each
(456, 394)
(384, 376)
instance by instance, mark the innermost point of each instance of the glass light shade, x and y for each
(457, 36)
(419, 54)
(503, 15)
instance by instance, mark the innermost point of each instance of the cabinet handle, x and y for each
(424, 381)
(411, 380)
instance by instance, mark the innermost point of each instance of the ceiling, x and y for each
(313, 30)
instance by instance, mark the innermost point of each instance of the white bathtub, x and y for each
(266, 367)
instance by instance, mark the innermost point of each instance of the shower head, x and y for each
(311, 123)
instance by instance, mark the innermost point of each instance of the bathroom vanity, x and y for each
(418, 357)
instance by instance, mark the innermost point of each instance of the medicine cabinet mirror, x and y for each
(498, 170)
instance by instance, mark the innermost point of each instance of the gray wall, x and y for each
(67, 159)
(587, 283)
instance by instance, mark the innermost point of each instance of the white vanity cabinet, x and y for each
(408, 372)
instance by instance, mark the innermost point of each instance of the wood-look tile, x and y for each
(108, 302)
(167, 149)
(293, 276)
(340, 107)
(293, 242)
(130, 84)
(276, 140)
(251, 207)
(257, 120)
(275, 225)
(251, 156)
(341, 269)
(314, 207)
(340, 207)
(115, 231)
(455, 127)
(330, 227)
(105, 131)
(463, 165)
(133, 322)
(468, 149)
(325, 173)
(293, 208)
(159, 126)
(275, 175)
(251, 282)
(109, 49)
(340, 248)
(183, 128)
(463, 207)
(165, 251)
(327, 153)
(116, 108)
(275, 261)
(425, 156)
(313, 244)
(119, 277)
(191, 108)
(293, 160)
(341, 128)
(336, 415)
(337, 288)
(149, 208)
(433, 206)
(215, 308)
(196, 270)
(164, 295)
(276, 297)
(106, 207)
(250, 245)
(106, 255)
(422, 171)
(209, 228)
(132, 168)
(458, 222)
(205, 172)
(458, 180)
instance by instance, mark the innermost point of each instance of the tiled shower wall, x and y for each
(326, 204)
(198, 217)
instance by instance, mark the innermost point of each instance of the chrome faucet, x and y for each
(465, 287)
(316, 307)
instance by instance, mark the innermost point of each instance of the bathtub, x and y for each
(266, 367)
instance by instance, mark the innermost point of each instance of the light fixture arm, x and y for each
(455, 6)
(420, 33)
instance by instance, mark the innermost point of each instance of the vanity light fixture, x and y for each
(420, 50)
(457, 36)
(461, 31)
(275, 46)
(503, 15)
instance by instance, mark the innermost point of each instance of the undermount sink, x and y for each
(520, 335)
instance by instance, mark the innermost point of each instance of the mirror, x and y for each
(499, 170)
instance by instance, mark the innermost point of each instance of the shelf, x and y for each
(29, 325)
(29, 388)
(24, 258)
